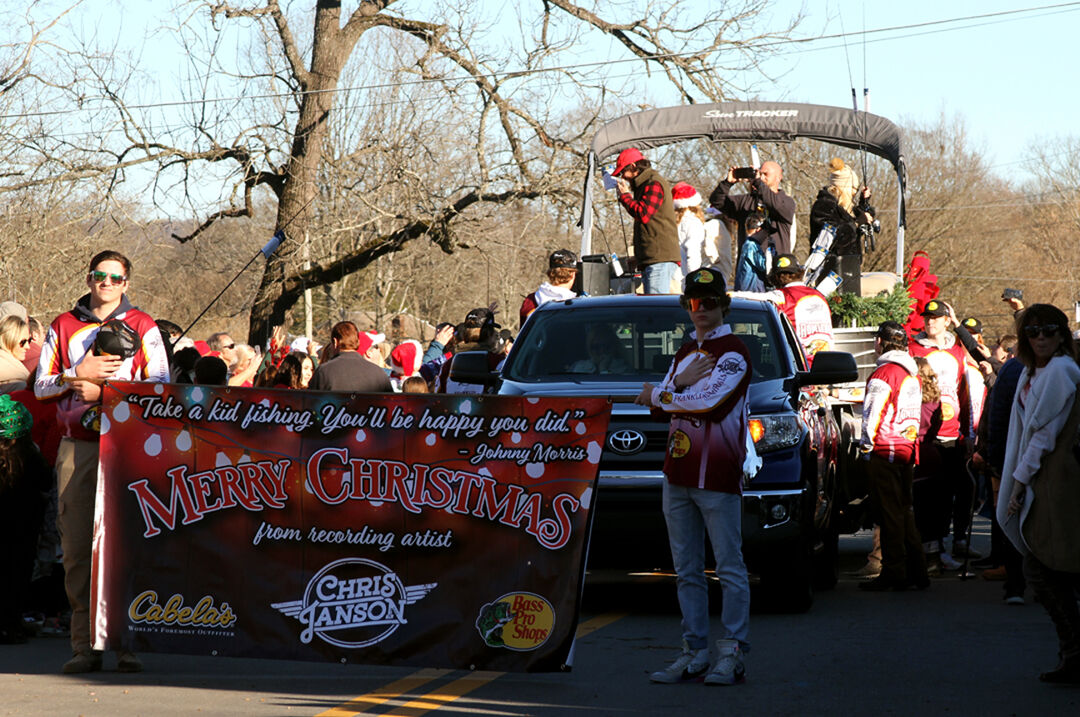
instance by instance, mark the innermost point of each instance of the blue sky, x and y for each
(1008, 77)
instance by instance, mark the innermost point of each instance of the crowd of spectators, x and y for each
(50, 389)
(989, 418)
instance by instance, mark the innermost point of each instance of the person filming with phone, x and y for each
(763, 196)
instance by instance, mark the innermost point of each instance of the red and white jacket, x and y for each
(976, 394)
(808, 311)
(892, 408)
(709, 420)
(948, 363)
(545, 293)
(67, 343)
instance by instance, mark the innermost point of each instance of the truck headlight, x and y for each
(771, 433)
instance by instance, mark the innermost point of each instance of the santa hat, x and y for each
(685, 196)
(365, 342)
(405, 358)
(375, 336)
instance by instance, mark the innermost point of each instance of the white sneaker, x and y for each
(730, 668)
(690, 665)
(950, 562)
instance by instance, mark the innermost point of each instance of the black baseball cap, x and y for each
(787, 264)
(935, 307)
(891, 331)
(973, 325)
(704, 282)
(479, 317)
(562, 259)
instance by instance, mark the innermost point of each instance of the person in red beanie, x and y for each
(646, 196)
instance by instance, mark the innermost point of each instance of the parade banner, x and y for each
(429, 530)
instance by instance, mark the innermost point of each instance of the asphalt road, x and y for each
(955, 649)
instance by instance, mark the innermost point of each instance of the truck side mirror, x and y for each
(472, 367)
(828, 367)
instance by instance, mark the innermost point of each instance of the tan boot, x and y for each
(83, 662)
(128, 662)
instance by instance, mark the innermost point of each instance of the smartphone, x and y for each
(744, 173)
(1013, 294)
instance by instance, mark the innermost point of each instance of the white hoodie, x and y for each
(547, 292)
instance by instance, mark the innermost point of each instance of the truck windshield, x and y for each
(605, 344)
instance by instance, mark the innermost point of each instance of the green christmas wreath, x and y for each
(849, 310)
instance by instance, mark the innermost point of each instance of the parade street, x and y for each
(955, 649)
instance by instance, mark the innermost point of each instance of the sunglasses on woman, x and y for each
(1047, 330)
(704, 303)
(23, 342)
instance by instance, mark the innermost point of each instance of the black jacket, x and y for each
(779, 210)
(827, 210)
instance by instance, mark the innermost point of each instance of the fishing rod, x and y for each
(873, 228)
(267, 251)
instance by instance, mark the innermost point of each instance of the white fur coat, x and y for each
(1033, 430)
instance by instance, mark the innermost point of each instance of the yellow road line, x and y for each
(443, 695)
(360, 704)
(594, 624)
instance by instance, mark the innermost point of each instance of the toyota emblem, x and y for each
(626, 441)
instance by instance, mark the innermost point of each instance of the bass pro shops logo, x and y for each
(353, 602)
(517, 621)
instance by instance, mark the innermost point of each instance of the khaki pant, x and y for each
(76, 473)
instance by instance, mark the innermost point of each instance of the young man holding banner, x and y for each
(77, 357)
(705, 392)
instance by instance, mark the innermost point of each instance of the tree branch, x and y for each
(284, 32)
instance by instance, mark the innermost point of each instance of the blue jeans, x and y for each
(750, 267)
(690, 513)
(657, 278)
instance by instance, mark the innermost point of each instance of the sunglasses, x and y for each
(101, 276)
(1047, 330)
(704, 303)
(24, 342)
(228, 346)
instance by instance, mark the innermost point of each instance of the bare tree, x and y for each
(454, 121)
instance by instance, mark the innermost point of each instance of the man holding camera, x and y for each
(763, 196)
(72, 367)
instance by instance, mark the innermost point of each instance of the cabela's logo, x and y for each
(146, 609)
(517, 621)
(353, 602)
